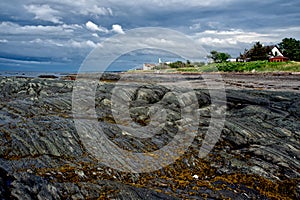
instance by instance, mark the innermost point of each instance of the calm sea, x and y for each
(132, 60)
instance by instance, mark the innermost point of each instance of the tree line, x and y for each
(290, 47)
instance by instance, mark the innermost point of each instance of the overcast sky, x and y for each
(54, 33)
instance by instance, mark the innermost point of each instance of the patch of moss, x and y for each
(177, 179)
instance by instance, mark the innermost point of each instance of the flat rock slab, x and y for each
(42, 155)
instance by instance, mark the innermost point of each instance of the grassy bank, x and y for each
(257, 66)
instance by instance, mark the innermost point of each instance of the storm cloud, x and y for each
(62, 33)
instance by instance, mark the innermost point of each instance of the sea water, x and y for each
(129, 61)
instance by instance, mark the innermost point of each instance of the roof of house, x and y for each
(275, 46)
(279, 57)
(149, 65)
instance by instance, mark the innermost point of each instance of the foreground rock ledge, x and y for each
(257, 156)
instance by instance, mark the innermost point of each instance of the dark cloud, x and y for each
(66, 31)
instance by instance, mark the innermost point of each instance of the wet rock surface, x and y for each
(42, 155)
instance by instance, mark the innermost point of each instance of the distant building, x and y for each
(231, 60)
(244, 59)
(160, 64)
(148, 66)
(279, 59)
(275, 55)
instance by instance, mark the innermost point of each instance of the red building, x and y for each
(279, 59)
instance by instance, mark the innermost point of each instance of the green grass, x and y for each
(257, 66)
(281, 67)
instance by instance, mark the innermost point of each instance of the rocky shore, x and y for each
(42, 155)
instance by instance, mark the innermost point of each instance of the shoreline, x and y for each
(33, 74)
(279, 81)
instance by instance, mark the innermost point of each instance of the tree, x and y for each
(244, 56)
(177, 64)
(290, 48)
(219, 57)
(258, 52)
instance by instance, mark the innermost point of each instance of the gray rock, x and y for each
(42, 156)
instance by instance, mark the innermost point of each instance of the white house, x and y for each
(160, 64)
(148, 66)
(276, 52)
(231, 60)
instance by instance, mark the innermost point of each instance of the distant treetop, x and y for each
(290, 48)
